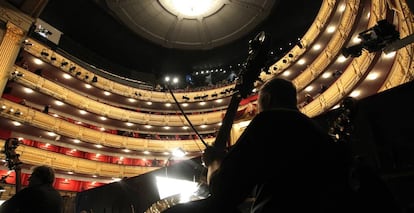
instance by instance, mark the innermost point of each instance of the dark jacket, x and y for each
(284, 160)
(34, 199)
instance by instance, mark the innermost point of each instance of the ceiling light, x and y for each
(37, 61)
(372, 76)
(59, 103)
(192, 8)
(28, 90)
(66, 76)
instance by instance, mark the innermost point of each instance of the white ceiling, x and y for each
(229, 21)
(139, 39)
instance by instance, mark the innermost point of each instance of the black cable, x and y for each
(185, 116)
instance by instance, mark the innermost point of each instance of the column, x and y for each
(9, 49)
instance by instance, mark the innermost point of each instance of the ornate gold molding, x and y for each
(14, 33)
(19, 19)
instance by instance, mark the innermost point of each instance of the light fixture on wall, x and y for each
(72, 68)
(44, 53)
(64, 63)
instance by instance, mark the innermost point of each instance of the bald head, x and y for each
(42, 175)
(277, 93)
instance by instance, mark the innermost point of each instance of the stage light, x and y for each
(44, 53)
(27, 43)
(72, 68)
(374, 39)
(64, 63)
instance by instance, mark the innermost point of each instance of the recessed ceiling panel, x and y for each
(152, 20)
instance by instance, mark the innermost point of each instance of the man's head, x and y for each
(42, 175)
(277, 93)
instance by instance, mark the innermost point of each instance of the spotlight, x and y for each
(43, 53)
(19, 74)
(27, 43)
(72, 68)
(374, 39)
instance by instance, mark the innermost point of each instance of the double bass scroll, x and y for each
(12, 159)
(255, 63)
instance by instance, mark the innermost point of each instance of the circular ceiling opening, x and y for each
(192, 9)
(191, 24)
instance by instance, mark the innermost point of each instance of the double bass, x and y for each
(256, 62)
(12, 159)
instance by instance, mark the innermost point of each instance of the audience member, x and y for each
(283, 160)
(38, 197)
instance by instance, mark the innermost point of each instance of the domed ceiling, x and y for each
(150, 36)
(185, 24)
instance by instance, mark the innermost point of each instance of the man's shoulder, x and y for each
(280, 113)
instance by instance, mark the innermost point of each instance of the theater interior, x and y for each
(89, 88)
